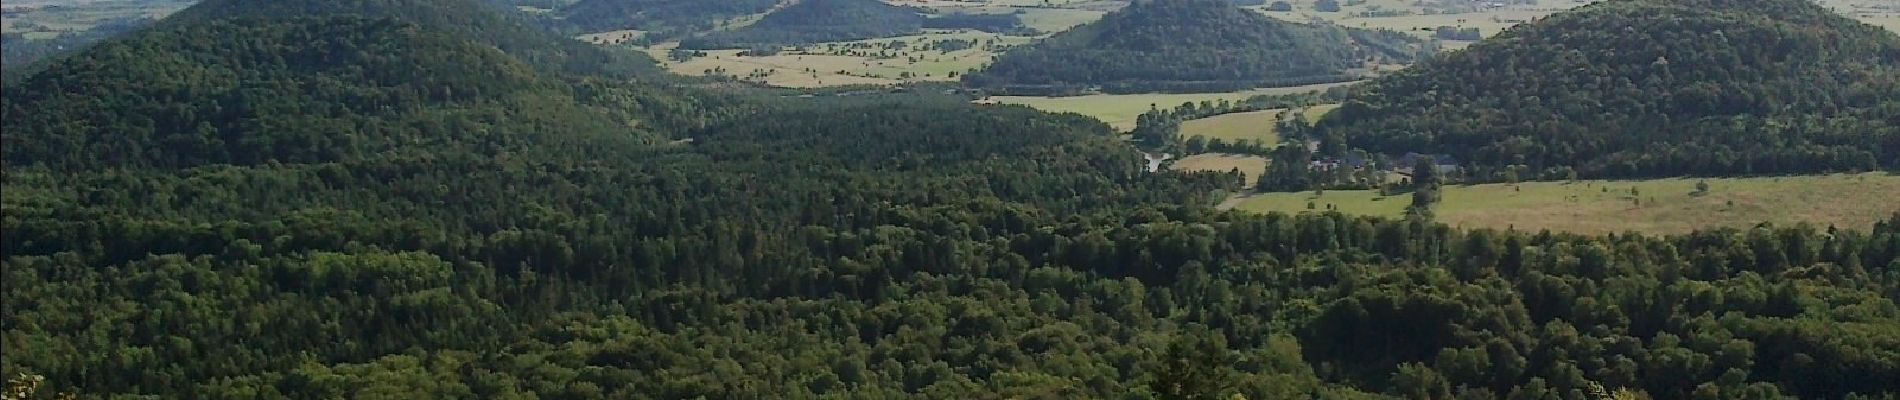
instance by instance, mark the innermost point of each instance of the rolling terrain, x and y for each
(1655, 206)
(1193, 45)
(1649, 88)
(429, 199)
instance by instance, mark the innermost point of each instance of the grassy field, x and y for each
(1666, 205)
(1057, 15)
(1257, 125)
(1313, 113)
(1491, 21)
(611, 37)
(796, 70)
(1419, 22)
(1891, 22)
(1250, 165)
(1120, 110)
(51, 17)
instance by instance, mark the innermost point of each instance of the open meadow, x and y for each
(872, 64)
(1650, 206)
(1252, 125)
(1121, 110)
(41, 19)
(1420, 18)
(1255, 125)
(1250, 165)
(1049, 17)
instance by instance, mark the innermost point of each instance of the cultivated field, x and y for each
(1120, 110)
(1420, 18)
(1313, 113)
(790, 69)
(1882, 13)
(1257, 125)
(1656, 206)
(1049, 17)
(1891, 22)
(612, 37)
(1250, 165)
(39, 19)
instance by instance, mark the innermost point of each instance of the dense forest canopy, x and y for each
(659, 17)
(300, 90)
(1627, 88)
(1194, 44)
(469, 20)
(359, 207)
(817, 21)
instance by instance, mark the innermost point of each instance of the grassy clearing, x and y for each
(1666, 205)
(43, 20)
(1050, 21)
(612, 37)
(1250, 165)
(1891, 22)
(1120, 110)
(1312, 114)
(1257, 125)
(1418, 23)
(793, 70)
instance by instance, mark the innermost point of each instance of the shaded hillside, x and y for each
(352, 208)
(886, 249)
(661, 17)
(297, 90)
(817, 21)
(477, 21)
(1649, 88)
(1190, 45)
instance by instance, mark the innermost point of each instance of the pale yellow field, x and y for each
(1121, 110)
(1257, 125)
(1489, 22)
(1313, 113)
(1250, 165)
(796, 70)
(611, 37)
(1050, 21)
(1891, 22)
(1666, 205)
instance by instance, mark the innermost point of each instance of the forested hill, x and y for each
(1194, 45)
(472, 20)
(817, 21)
(664, 18)
(1628, 88)
(301, 90)
(343, 207)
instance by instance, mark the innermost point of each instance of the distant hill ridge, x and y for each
(472, 20)
(666, 16)
(1649, 88)
(817, 21)
(313, 82)
(289, 91)
(1195, 45)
